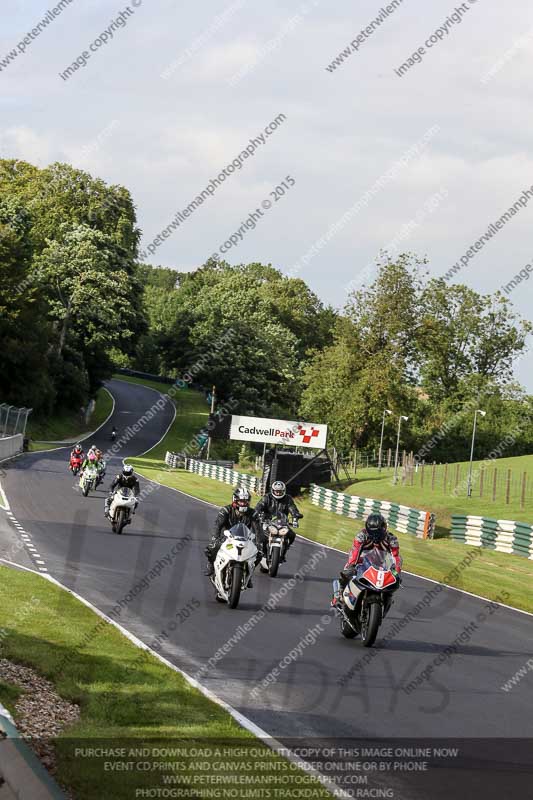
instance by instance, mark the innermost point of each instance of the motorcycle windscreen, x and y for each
(373, 562)
(241, 531)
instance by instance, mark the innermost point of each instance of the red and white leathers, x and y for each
(363, 542)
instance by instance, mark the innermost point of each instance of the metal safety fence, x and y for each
(13, 420)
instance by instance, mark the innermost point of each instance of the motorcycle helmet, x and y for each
(77, 448)
(127, 470)
(241, 500)
(278, 490)
(376, 528)
(92, 457)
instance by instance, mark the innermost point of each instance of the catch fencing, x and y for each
(400, 518)
(13, 420)
(504, 535)
(225, 475)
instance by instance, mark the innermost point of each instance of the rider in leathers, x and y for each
(277, 501)
(374, 534)
(237, 511)
(126, 478)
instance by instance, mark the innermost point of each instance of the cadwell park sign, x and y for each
(278, 431)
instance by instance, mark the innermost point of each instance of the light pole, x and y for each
(398, 446)
(381, 440)
(213, 395)
(469, 489)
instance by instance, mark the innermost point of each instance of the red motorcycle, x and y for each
(75, 464)
(367, 598)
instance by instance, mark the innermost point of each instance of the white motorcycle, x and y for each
(88, 479)
(121, 508)
(234, 564)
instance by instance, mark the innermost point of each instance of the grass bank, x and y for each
(68, 425)
(127, 699)
(437, 493)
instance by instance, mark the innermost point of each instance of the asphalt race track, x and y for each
(304, 700)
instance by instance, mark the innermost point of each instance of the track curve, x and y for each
(326, 690)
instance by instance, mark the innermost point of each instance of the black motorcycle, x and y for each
(276, 532)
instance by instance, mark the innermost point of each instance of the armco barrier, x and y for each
(504, 535)
(11, 445)
(400, 518)
(225, 475)
(24, 775)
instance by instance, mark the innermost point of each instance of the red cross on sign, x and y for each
(307, 436)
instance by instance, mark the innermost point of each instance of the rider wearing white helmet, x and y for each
(275, 502)
(126, 478)
(237, 511)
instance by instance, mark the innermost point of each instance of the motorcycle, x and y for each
(277, 530)
(88, 479)
(367, 598)
(234, 564)
(75, 464)
(121, 508)
(113, 435)
(101, 472)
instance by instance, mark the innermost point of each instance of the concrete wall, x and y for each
(11, 445)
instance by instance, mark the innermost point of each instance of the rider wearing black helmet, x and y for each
(374, 534)
(126, 478)
(277, 501)
(237, 511)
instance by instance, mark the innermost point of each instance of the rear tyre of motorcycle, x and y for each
(370, 627)
(274, 563)
(236, 583)
(121, 520)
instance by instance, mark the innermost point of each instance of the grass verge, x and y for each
(370, 483)
(9, 695)
(128, 699)
(68, 424)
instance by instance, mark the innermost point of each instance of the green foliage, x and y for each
(68, 288)
(246, 329)
(426, 350)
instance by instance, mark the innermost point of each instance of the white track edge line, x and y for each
(242, 720)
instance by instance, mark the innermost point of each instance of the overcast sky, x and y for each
(179, 90)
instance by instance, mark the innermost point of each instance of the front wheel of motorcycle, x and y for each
(347, 630)
(121, 520)
(274, 562)
(370, 624)
(85, 489)
(236, 583)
